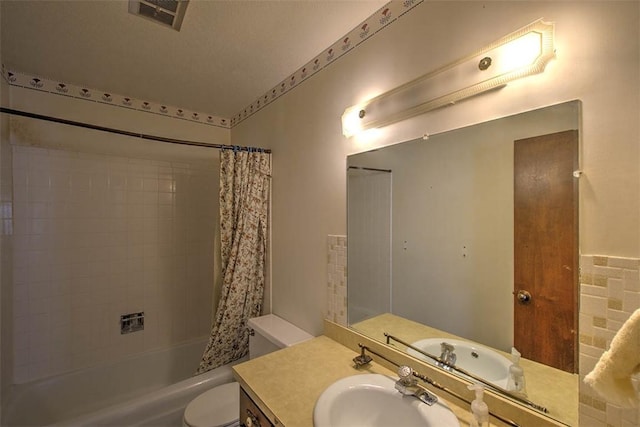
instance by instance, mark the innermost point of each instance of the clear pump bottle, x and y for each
(479, 408)
(516, 381)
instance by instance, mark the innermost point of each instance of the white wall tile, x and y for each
(89, 233)
(135, 183)
(150, 184)
(593, 305)
(631, 280)
(630, 302)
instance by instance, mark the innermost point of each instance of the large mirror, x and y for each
(469, 237)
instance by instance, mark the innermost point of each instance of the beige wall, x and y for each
(597, 62)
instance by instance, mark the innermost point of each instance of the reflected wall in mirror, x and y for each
(431, 232)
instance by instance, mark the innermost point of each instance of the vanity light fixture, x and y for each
(519, 54)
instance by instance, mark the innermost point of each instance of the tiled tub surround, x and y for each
(609, 294)
(98, 236)
(6, 242)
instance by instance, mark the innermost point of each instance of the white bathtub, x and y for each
(148, 389)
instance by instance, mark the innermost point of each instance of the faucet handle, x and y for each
(445, 346)
(406, 376)
(408, 386)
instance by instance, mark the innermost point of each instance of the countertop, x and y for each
(555, 389)
(286, 384)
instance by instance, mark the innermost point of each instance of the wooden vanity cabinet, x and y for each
(250, 414)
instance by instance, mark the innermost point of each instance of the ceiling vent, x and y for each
(166, 12)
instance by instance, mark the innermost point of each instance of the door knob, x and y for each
(524, 297)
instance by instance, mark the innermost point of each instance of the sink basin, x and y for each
(472, 357)
(371, 400)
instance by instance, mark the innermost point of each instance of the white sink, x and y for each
(371, 400)
(472, 357)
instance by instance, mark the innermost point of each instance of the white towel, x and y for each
(612, 376)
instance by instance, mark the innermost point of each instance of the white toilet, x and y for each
(220, 406)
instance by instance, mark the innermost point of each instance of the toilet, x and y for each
(220, 406)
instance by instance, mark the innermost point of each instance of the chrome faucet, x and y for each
(408, 386)
(448, 355)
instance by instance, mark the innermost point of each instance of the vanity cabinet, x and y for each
(250, 414)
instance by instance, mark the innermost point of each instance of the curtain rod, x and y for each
(128, 133)
(364, 168)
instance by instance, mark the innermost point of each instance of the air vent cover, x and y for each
(166, 12)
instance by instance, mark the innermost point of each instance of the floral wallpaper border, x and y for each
(385, 16)
(19, 79)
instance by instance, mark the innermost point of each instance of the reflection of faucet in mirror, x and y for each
(449, 349)
(448, 355)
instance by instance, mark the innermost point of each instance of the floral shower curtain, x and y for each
(244, 202)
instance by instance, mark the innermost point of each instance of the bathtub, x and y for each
(148, 389)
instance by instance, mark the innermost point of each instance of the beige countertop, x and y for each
(555, 389)
(286, 384)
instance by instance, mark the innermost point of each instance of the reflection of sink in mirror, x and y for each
(372, 400)
(474, 358)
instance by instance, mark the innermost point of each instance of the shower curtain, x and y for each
(244, 201)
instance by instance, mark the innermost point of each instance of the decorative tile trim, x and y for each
(19, 79)
(337, 279)
(380, 20)
(609, 294)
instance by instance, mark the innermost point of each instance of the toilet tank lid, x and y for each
(278, 331)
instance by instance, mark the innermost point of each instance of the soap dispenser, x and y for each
(479, 409)
(516, 382)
